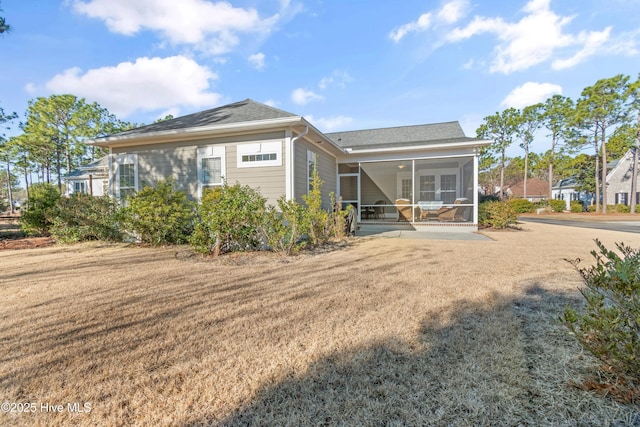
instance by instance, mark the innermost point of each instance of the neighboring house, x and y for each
(375, 170)
(619, 181)
(567, 190)
(537, 190)
(92, 178)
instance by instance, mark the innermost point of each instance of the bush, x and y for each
(482, 198)
(609, 327)
(496, 214)
(230, 218)
(576, 206)
(521, 205)
(160, 215)
(42, 200)
(283, 230)
(557, 205)
(83, 217)
(317, 218)
(619, 208)
(591, 208)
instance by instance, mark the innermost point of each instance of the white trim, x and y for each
(470, 144)
(289, 154)
(208, 152)
(273, 146)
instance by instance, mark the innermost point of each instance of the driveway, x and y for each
(624, 226)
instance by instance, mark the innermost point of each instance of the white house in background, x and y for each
(92, 178)
(619, 181)
(566, 189)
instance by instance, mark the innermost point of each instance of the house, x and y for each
(537, 190)
(92, 178)
(619, 181)
(378, 171)
(567, 190)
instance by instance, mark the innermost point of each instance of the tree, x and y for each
(57, 126)
(4, 27)
(556, 117)
(501, 128)
(600, 107)
(527, 123)
(5, 154)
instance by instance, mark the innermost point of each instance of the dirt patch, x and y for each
(26, 243)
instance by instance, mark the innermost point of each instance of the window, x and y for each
(211, 167)
(428, 188)
(260, 154)
(406, 185)
(126, 176)
(448, 188)
(78, 187)
(622, 198)
(312, 167)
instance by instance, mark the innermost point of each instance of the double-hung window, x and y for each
(211, 167)
(126, 176)
(427, 188)
(312, 168)
(79, 188)
(448, 187)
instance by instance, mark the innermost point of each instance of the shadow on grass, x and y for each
(488, 364)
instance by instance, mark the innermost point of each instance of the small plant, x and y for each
(317, 217)
(42, 200)
(84, 217)
(521, 205)
(496, 214)
(557, 205)
(576, 206)
(609, 326)
(283, 230)
(160, 215)
(230, 218)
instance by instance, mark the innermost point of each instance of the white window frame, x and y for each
(209, 152)
(259, 149)
(126, 159)
(312, 157)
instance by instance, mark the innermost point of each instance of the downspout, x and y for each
(290, 170)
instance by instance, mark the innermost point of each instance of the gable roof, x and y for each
(535, 187)
(427, 134)
(97, 168)
(238, 112)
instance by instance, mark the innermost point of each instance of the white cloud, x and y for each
(257, 60)
(302, 96)
(271, 103)
(592, 43)
(148, 84)
(530, 93)
(338, 78)
(450, 13)
(211, 26)
(422, 24)
(536, 38)
(30, 88)
(174, 112)
(328, 124)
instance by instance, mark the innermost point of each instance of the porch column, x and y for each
(475, 187)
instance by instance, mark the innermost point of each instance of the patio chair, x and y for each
(378, 211)
(454, 213)
(404, 212)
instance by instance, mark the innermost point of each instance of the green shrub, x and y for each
(576, 206)
(83, 217)
(619, 208)
(160, 215)
(482, 198)
(521, 205)
(557, 205)
(317, 218)
(283, 230)
(591, 208)
(609, 326)
(42, 200)
(496, 214)
(230, 218)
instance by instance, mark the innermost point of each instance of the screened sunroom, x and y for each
(419, 191)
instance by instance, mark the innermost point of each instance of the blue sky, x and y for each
(342, 64)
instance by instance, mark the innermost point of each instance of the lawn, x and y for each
(376, 331)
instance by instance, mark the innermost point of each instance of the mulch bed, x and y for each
(26, 243)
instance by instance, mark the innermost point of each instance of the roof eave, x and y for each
(400, 147)
(198, 132)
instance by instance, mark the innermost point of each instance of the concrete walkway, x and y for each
(413, 234)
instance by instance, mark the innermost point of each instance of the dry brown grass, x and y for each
(384, 331)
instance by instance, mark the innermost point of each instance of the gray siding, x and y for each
(157, 162)
(620, 179)
(326, 170)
